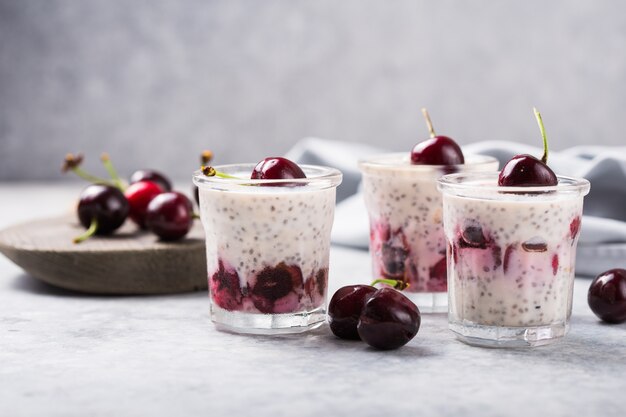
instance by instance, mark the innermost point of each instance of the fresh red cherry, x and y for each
(276, 168)
(154, 176)
(438, 150)
(169, 215)
(607, 296)
(139, 195)
(345, 309)
(526, 170)
(101, 209)
(388, 320)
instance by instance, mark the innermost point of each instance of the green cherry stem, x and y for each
(108, 165)
(544, 158)
(429, 122)
(212, 172)
(88, 177)
(72, 163)
(93, 228)
(395, 283)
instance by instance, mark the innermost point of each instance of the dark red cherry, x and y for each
(394, 253)
(101, 209)
(526, 170)
(151, 175)
(139, 195)
(607, 296)
(345, 309)
(276, 168)
(225, 287)
(277, 288)
(388, 320)
(472, 235)
(438, 150)
(169, 215)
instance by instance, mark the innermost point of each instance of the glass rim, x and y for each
(326, 175)
(455, 182)
(378, 161)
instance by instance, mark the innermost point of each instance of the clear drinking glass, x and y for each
(267, 245)
(406, 233)
(511, 257)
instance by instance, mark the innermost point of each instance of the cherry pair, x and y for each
(383, 318)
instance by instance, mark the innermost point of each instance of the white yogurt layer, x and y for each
(258, 227)
(522, 273)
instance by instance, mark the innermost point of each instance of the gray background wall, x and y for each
(154, 82)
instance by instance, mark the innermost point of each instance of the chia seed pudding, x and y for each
(268, 248)
(511, 253)
(406, 234)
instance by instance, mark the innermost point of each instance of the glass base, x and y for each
(508, 337)
(267, 324)
(429, 302)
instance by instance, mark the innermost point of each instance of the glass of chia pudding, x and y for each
(406, 233)
(511, 256)
(267, 245)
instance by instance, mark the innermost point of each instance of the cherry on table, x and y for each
(169, 215)
(607, 296)
(276, 168)
(151, 175)
(101, 209)
(345, 309)
(526, 170)
(139, 195)
(388, 320)
(437, 150)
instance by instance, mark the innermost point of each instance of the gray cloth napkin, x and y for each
(602, 243)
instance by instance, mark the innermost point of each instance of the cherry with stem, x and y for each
(437, 150)
(108, 165)
(526, 170)
(101, 210)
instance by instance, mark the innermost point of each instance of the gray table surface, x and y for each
(66, 354)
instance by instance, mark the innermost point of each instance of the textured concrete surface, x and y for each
(154, 82)
(65, 354)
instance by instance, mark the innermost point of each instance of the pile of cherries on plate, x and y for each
(148, 200)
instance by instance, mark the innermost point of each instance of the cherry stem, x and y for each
(93, 228)
(88, 177)
(429, 122)
(195, 216)
(72, 163)
(544, 158)
(108, 165)
(395, 283)
(212, 172)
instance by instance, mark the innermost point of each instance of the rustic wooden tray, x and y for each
(127, 262)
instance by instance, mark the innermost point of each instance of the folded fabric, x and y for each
(602, 243)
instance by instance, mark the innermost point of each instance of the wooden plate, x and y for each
(127, 262)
